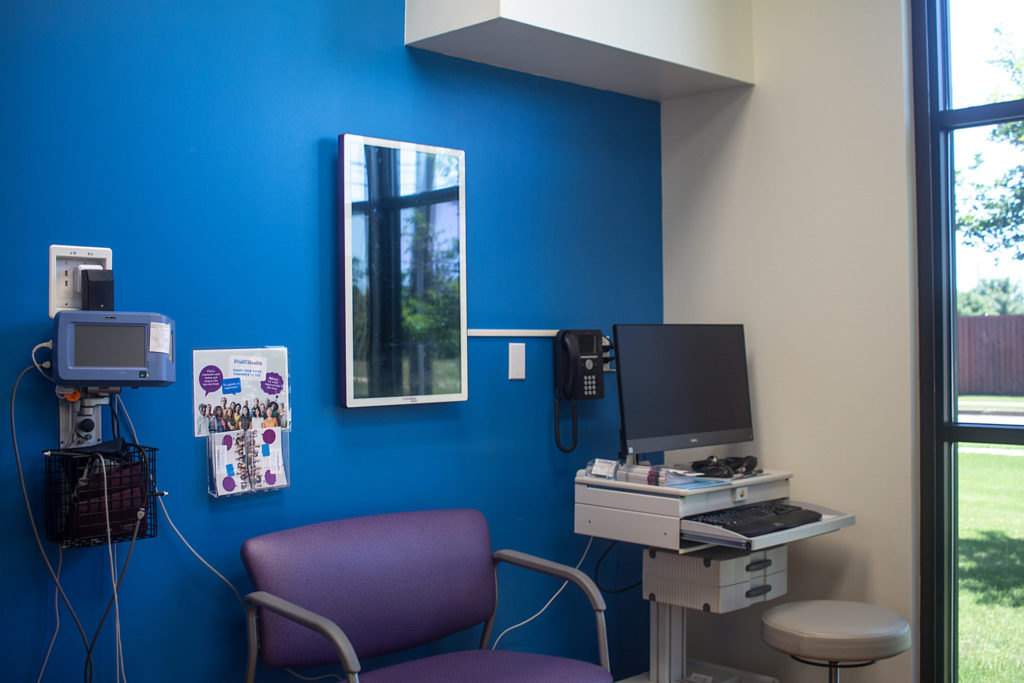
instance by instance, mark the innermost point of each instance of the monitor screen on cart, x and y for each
(681, 386)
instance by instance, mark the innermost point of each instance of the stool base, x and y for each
(833, 667)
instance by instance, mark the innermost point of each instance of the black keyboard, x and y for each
(759, 518)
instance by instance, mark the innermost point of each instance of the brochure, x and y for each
(247, 461)
(240, 389)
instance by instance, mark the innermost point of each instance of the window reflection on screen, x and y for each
(405, 257)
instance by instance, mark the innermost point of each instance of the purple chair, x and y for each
(374, 585)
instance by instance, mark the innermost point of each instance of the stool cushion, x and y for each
(835, 630)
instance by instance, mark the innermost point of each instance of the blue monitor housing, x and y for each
(107, 349)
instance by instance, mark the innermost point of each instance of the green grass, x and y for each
(991, 403)
(991, 566)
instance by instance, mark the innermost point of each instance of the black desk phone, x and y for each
(579, 373)
(579, 365)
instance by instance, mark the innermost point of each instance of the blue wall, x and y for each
(197, 139)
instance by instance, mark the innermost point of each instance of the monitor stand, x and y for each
(668, 655)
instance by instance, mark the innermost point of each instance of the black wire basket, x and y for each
(102, 494)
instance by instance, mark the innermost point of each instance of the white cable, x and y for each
(548, 603)
(64, 438)
(135, 533)
(31, 517)
(45, 364)
(56, 615)
(68, 435)
(198, 556)
(124, 411)
(118, 648)
(118, 652)
(167, 516)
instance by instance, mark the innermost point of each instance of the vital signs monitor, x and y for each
(107, 348)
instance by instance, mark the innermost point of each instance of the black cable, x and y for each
(597, 571)
(117, 586)
(115, 401)
(558, 440)
(56, 618)
(32, 520)
(115, 423)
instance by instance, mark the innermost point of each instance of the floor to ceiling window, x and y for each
(969, 119)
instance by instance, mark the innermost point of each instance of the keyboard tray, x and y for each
(699, 532)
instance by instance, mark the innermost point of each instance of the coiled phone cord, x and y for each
(558, 440)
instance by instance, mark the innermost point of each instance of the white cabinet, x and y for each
(714, 580)
(652, 49)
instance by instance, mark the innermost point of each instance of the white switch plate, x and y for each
(516, 361)
(64, 260)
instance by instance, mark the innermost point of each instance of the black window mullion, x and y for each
(1009, 435)
(937, 551)
(940, 433)
(981, 115)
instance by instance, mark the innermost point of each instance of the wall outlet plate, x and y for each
(65, 293)
(517, 360)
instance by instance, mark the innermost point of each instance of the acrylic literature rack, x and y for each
(242, 407)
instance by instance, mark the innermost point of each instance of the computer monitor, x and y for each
(681, 386)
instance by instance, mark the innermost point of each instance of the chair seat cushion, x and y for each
(489, 666)
(835, 630)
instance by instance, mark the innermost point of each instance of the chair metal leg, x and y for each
(833, 672)
(253, 637)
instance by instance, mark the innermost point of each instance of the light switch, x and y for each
(517, 361)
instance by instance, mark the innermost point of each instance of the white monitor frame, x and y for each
(352, 175)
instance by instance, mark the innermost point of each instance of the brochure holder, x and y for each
(242, 408)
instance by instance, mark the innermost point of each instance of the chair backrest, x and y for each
(390, 581)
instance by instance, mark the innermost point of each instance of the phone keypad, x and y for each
(590, 385)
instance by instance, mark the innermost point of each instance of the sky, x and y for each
(973, 42)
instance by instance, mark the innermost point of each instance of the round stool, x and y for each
(835, 633)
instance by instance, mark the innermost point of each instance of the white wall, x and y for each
(651, 49)
(710, 35)
(788, 207)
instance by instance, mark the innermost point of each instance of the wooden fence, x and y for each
(990, 355)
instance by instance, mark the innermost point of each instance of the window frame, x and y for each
(934, 124)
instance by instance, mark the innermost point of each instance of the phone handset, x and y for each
(579, 373)
(572, 347)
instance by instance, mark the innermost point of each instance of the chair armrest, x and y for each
(564, 571)
(307, 618)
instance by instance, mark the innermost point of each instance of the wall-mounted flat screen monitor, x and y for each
(681, 386)
(403, 255)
